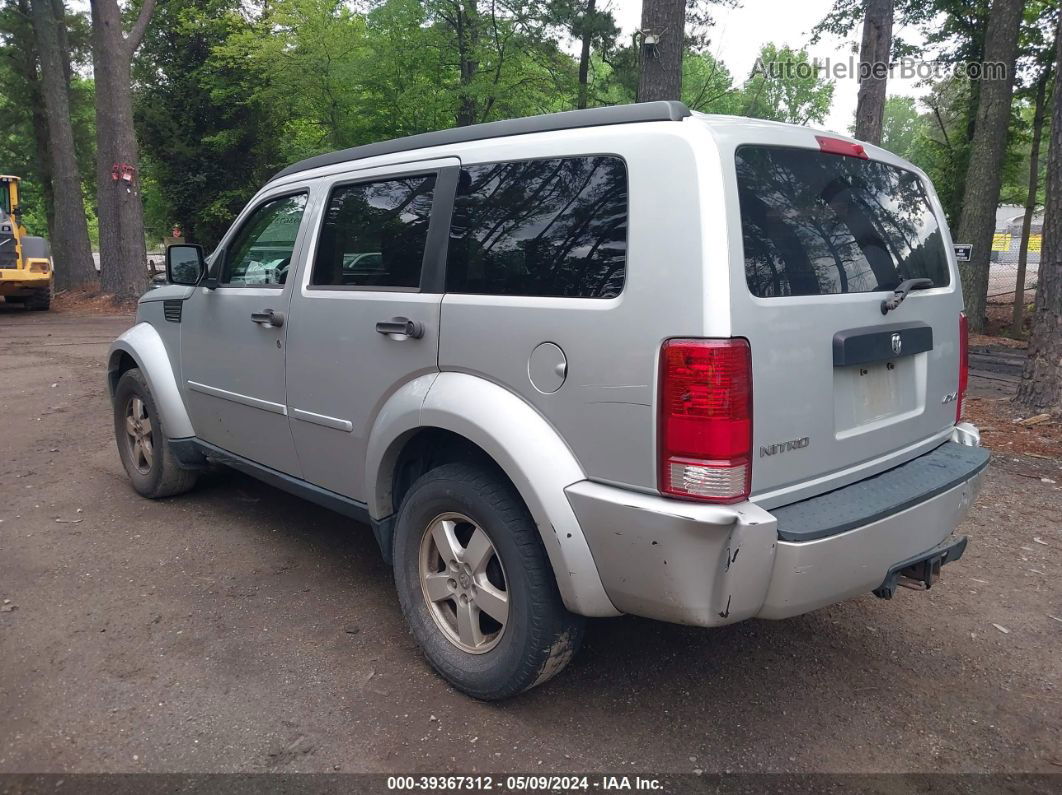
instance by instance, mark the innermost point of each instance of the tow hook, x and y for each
(921, 572)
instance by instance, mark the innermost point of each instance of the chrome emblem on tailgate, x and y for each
(897, 344)
(785, 447)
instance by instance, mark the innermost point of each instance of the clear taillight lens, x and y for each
(964, 367)
(705, 434)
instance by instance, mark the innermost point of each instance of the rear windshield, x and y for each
(820, 224)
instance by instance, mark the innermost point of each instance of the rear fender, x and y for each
(521, 442)
(144, 345)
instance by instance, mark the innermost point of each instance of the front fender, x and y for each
(521, 442)
(144, 345)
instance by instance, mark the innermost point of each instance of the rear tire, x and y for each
(482, 656)
(141, 436)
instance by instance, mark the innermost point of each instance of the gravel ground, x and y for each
(238, 629)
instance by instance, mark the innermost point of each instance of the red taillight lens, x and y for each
(706, 419)
(964, 366)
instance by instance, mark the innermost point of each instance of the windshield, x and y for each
(821, 224)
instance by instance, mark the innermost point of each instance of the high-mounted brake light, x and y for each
(836, 146)
(964, 367)
(705, 433)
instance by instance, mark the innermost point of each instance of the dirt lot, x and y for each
(241, 629)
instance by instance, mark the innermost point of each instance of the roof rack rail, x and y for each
(567, 120)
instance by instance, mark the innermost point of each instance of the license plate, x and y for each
(870, 394)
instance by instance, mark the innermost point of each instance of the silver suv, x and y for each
(625, 360)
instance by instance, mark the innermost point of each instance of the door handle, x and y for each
(401, 325)
(268, 317)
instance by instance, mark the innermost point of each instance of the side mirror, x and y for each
(184, 264)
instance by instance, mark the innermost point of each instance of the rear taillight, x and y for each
(705, 430)
(964, 367)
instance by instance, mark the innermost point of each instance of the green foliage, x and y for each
(954, 33)
(786, 86)
(502, 60)
(708, 86)
(19, 99)
(935, 142)
(209, 136)
(227, 91)
(901, 126)
(941, 146)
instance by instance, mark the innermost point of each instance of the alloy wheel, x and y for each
(138, 434)
(463, 583)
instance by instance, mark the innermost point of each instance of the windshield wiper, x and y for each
(901, 292)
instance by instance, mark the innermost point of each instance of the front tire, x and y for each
(40, 300)
(150, 464)
(476, 586)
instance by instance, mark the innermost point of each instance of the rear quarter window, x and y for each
(820, 224)
(554, 227)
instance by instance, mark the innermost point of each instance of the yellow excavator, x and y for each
(25, 261)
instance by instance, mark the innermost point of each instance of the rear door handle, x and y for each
(268, 317)
(401, 325)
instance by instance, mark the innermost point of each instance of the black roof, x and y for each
(568, 120)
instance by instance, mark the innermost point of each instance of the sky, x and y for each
(739, 33)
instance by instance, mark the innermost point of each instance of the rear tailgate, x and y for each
(817, 241)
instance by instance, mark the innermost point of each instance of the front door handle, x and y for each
(268, 317)
(401, 325)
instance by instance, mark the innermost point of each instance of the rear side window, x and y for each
(374, 234)
(820, 224)
(540, 228)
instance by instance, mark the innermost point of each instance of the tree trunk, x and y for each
(875, 54)
(70, 239)
(59, 13)
(984, 174)
(1041, 383)
(584, 52)
(123, 254)
(1018, 315)
(660, 76)
(23, 54)
(466, 17)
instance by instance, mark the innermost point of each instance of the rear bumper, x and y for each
(811, 574)
(709, 565)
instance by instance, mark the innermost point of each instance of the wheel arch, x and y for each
(509, 433)
(142, 347)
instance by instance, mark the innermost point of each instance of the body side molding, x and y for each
(335, 423)
(236, 397)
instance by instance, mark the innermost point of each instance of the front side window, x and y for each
(374, 234)
(819, 224)
(259, 255)
(540, 228)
